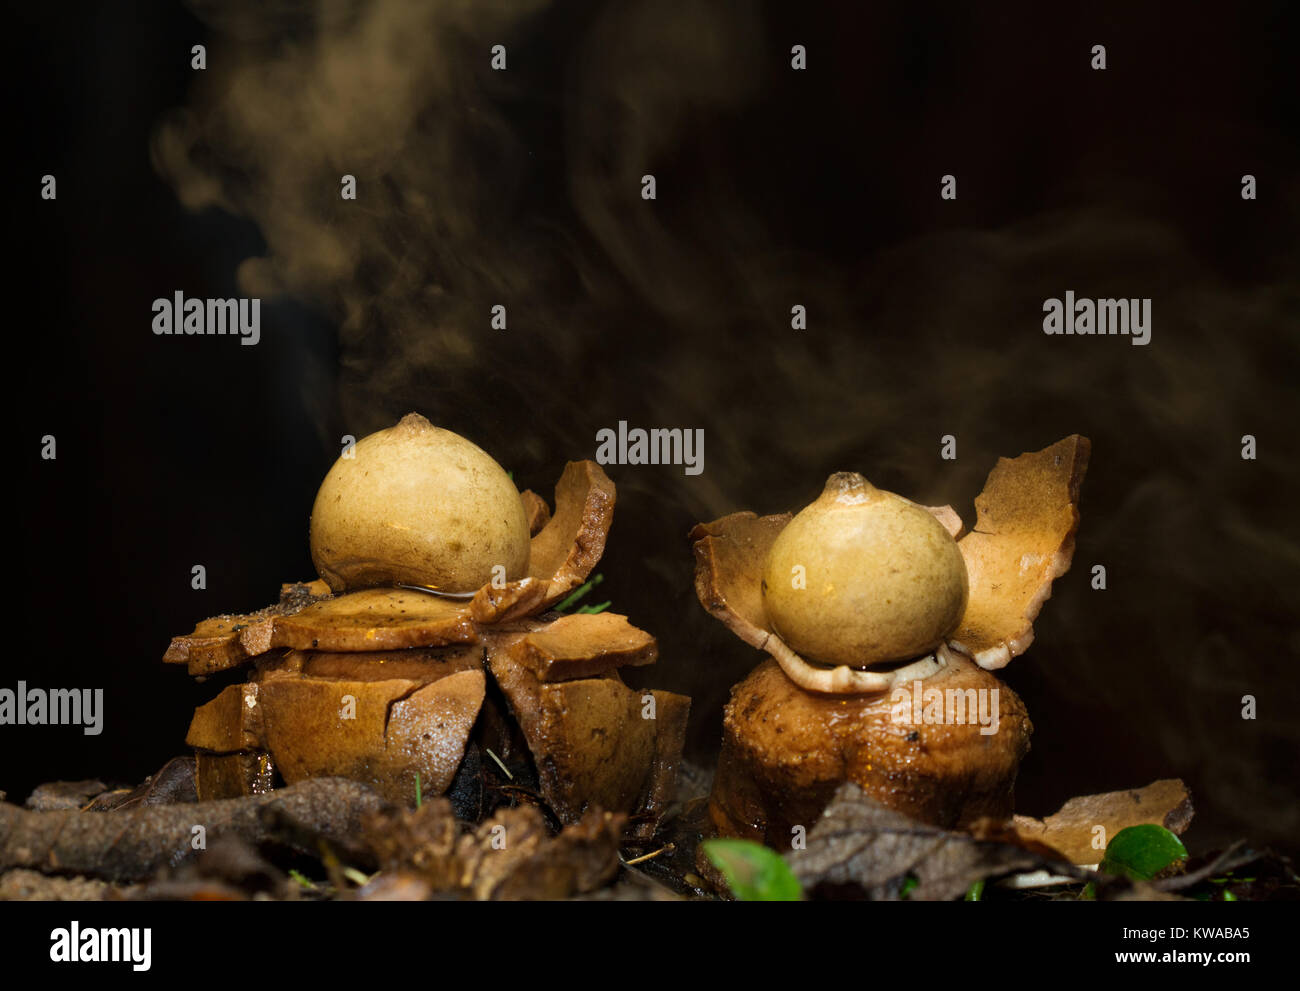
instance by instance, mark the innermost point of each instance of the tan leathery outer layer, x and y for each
(785, 751)
(418, 505)
(590, 739)
(1023, 539)
(396, 728)
(564, 551)
(729, 557)
(863, 576)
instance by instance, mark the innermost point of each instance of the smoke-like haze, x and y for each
(523, 188)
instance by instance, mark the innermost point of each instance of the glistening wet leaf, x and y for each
(1142, 852)
(753, 872)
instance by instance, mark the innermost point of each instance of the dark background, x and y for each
(774, 188)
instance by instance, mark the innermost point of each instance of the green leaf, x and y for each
(753, 872)
(356, 877)
(908, 886)
(579, 592)
(976, 891)
(417, 789)
(1142, 852)
(593, 609)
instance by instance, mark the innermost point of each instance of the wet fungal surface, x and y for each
(785, 752)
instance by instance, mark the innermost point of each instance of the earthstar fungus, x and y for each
(806, 721)
(384, 683)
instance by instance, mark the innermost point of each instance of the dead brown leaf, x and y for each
(1073, 828)
(861, 849)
